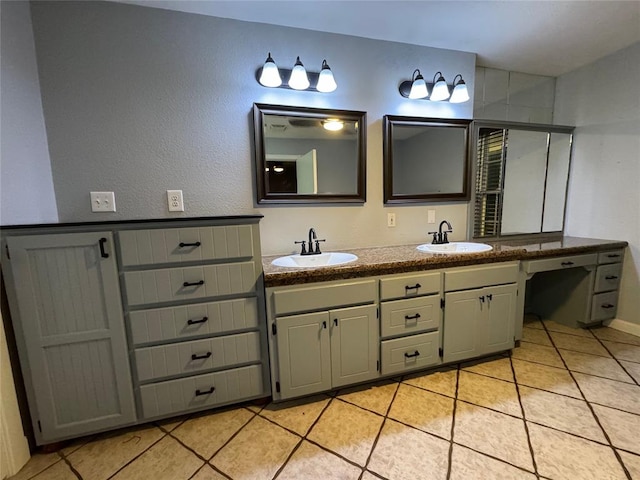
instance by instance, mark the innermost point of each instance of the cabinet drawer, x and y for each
(409, 353)
(186, 358)
(169, 245)
(407, 286)
(608, 277)
(185, 394)
(559, 263)
(318, 297)
(604, 306)
(162, 324)
(411, 315)
(188, 283)
(614, 256)
(476, 277)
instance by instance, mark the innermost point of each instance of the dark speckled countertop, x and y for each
(406, 258)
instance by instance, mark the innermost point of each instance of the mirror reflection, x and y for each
(306, 155)
(425, 159)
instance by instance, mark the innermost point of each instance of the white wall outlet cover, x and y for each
(391, 219)
(175, 201)
(103, 201)
(431, 216)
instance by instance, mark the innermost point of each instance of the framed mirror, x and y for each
(425, 159)
(309, 155)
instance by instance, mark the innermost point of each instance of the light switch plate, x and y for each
(431, 216)
(391, 219)
(103, 201)
(174, 200)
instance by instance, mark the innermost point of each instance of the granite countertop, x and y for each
(406, 258)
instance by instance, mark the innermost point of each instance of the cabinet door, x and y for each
(461, 324)
(499, 313)
(74, 346)
(354, 345)
(304, 360)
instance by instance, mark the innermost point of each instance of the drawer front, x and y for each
(477, 277)
(409, 353)
(189, 283)
(604, 306)
(559, 263)
(412, 315)
(614, 256)
(608, 277)
(169, 245)
(318, 297)
(408, 286)
(200, 391)
(186, 358)
(163, 324)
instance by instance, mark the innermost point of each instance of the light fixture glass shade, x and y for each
(299, 79)
(440, 88)
(333, 124)
(418, 86)
(460, 93)
(326, 82)
(270, 76)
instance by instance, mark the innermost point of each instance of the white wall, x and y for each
(603, 101)
(26, 185)
(140, 100)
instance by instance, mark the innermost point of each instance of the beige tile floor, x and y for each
(564, 405)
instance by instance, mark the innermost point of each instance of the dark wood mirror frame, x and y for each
(389, 121)
(264, 196)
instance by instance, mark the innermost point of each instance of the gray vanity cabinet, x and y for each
(70, 333)
(479, 320)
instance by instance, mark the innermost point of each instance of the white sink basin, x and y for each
(330, 259)
(455, 248)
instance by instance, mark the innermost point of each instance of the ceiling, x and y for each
(544, 37)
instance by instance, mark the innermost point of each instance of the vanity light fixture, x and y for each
(440, 88)
(297, 78)
(417, 88)
(460, 93)
(333, 124)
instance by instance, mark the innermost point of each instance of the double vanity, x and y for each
(121, 323)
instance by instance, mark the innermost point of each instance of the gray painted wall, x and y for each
(604, 197)
(140, 100)
(26, 186)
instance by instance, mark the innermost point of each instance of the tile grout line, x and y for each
(139, 455)
(524, 421)
(65, 460)
(453, 425)
(593, 413)
(617, 360)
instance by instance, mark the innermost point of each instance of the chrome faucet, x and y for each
(312, 238)
(440, 237)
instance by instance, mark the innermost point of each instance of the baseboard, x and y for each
(624, 326)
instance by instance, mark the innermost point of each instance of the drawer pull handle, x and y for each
(490, 296)
(194, 322)
(103, 252)
(335, 322)
(481, 297)
(415, 287)
(411, 355)
(205, 392)
(194, 244)
(200, 357)
(193, 284)
(613, 255)
(412, 317)
(324, 324)
(566, 264)
(607, 305)
(610, 277)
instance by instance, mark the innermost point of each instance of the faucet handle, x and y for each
(318, 245)
(304, 246)
(444, 238)
(435, 237)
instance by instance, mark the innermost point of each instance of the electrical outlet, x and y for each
(431, 216)
(103, 201)
(391, 219)
(174, 200)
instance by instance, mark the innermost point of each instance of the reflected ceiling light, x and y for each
(278, 169)
(418, 86)
(333, 124)
(270, 76)
(326, 82)
(440, 88)
(460, 93)
(299, 79)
